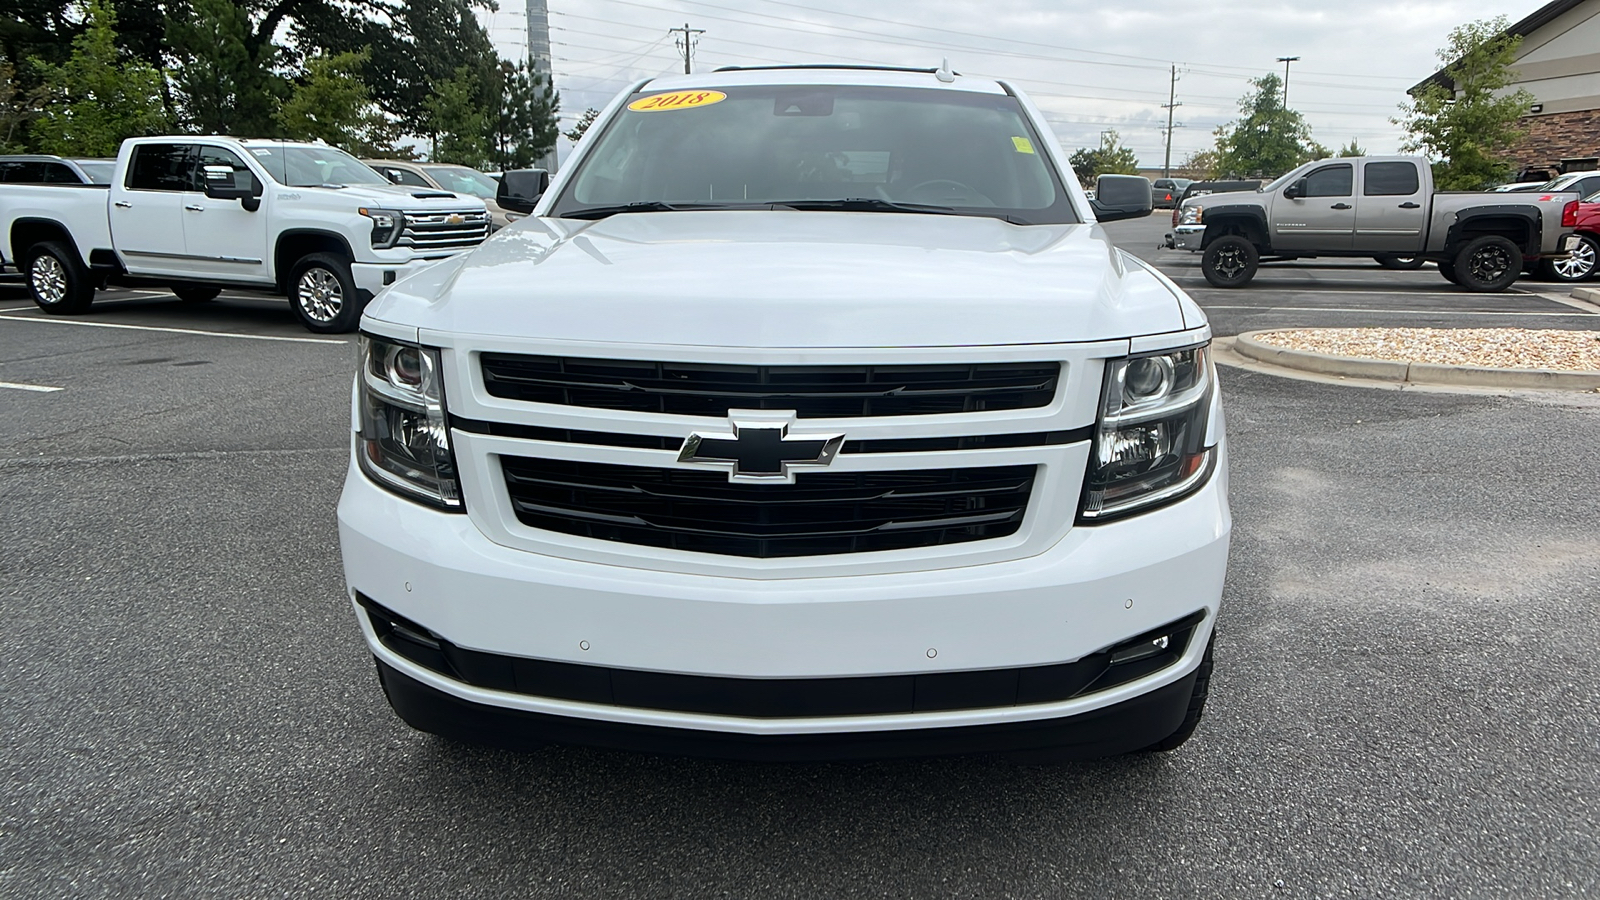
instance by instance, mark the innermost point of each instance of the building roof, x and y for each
(1534, 21)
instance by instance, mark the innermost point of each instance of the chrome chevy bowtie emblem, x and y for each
(759, 448)
(455, 219)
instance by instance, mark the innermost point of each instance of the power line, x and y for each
(687, 44)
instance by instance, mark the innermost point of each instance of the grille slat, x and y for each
(822, 513)
(703, 389)
(434, 231)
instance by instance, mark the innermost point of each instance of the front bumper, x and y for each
(1098, 586)
(374, 277)
(1188, 237)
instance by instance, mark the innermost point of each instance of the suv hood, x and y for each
(790, 279)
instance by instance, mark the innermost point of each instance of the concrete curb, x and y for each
(1590, 294)
(1412, 373)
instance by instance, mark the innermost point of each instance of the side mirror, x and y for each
(1296, 190)
(393, 175)
(222, 183)
(520, 189)
(1121, 197)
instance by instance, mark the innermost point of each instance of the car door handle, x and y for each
(1341, 206)
(123, 204)
(1410, 205)
(194, 207)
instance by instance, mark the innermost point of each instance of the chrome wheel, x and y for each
(1489, 263)
(319, 295)
(1579, 265)
(49, 279)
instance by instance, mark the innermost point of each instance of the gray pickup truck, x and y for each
(1382, 207)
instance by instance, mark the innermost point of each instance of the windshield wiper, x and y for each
(867, 204)
(600, 212)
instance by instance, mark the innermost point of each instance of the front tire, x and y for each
(1230, 261)
(58, 282)
(323, 294)
(1400, 263)
(1488, 264)
(1580, 266)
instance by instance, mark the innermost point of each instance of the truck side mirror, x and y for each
(1296, 190)
(1121, 197)
(222, 183)
(520, 189)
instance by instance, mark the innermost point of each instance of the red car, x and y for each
(1581, 264)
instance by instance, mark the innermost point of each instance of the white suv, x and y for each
(810, 415)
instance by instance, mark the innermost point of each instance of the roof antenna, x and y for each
(944, 74)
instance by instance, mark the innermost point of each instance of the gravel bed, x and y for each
(1497, 348)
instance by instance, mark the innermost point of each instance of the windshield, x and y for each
(948, 151)
(313, 166)
(463, 180)
(98, 170)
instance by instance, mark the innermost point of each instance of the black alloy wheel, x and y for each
(1230, 261)
(1488, 263)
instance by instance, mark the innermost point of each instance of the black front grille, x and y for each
(705, 389)
(822, 513)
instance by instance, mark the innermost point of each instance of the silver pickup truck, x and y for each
(1382, 207)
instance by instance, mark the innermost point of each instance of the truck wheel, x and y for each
(1403, 263)
(1230, 261)
(190, 294)
(57, 280)
(1579, 266)
(323, 294)
(1488, 263)
(1197, 708)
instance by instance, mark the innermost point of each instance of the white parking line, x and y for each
(224, 334)
(38, 388)
(1405, 312)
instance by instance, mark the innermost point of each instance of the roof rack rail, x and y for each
(830, 66)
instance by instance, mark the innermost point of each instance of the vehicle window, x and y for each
(296, 166)
(970, 153)
(57, 173)
(405, 177)
(1330, 181)
(463, 180)
(215, 156)
(22, 172)
(1587, 186)
(99, 171)
(1390, 179)
(161, 167)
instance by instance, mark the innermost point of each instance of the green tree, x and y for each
(330, 103)
(524, 124)
(1268, 139)
(17, 107)
(222, 81)
(100, 95)
(1463, 122)
(1200, 165)
(1352, 149)
(457, 121)
(1110, 158)
(581, 127)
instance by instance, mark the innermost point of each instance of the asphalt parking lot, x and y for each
(1406, 700)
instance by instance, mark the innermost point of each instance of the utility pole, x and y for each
(1171, 104)
(1286, 60)
(687, 43)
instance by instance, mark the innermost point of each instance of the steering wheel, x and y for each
(950, 189)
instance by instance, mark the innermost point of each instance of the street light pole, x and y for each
(1286, 60)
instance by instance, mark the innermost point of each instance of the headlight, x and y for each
(1150, 445)
(404, 443)
(1192, 215)
(387, 224)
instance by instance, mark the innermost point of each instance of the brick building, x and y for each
(1559, 64)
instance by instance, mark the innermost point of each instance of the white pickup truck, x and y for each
(810, 413)
(200, 214)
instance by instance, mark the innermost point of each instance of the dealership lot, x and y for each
(1405, 701)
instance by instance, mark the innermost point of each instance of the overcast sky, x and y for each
(1090, 66)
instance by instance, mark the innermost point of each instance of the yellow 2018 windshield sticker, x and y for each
(677, 100)
(1022, 144)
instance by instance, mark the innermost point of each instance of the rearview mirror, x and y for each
(223, 183)
(520, 189)
(1121, 197)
